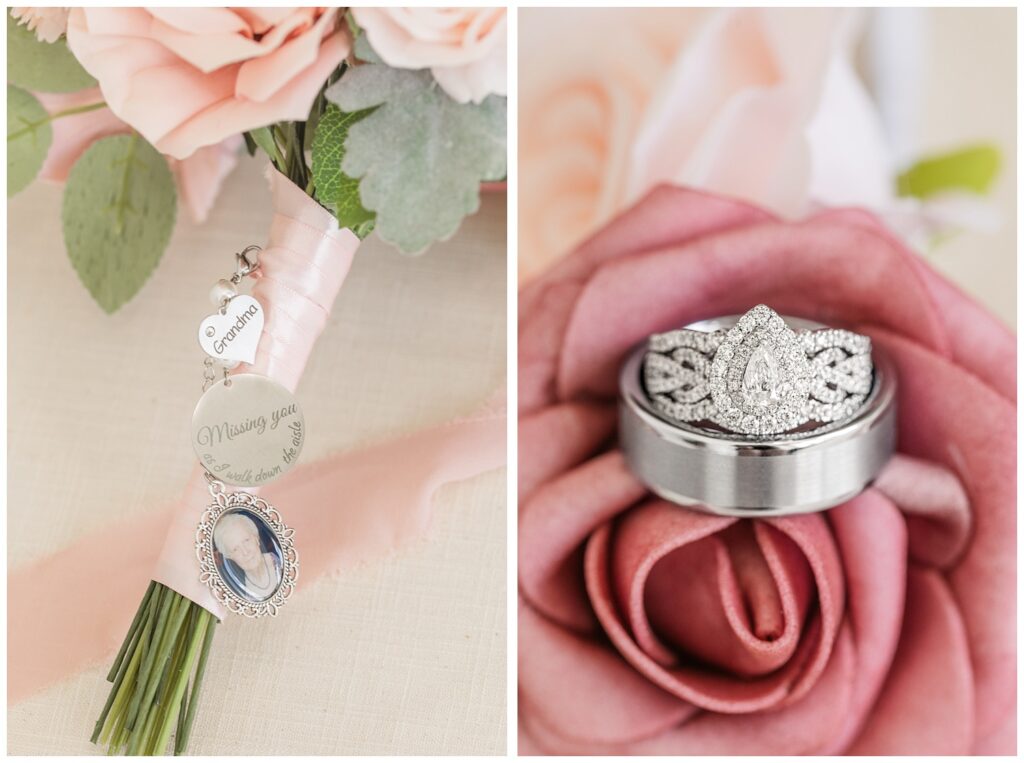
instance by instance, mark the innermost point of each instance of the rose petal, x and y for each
(705, 687)
(937, 508)
(872, 539)
(553, 525)
(950, 416)
(557, 439)
(815, 270)
(584, 690)
(805, 727)
(752, 616)
(927, 704)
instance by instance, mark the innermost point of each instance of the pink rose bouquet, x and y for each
(136, 107)
(883, 626)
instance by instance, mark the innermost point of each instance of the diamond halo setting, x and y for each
(759, 377)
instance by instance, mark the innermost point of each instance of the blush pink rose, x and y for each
(190, 77)
(759, 103)
(464, 48)
(883, 626)
(198, 177)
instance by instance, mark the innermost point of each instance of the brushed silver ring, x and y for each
(746, 475)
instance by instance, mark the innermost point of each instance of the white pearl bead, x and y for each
(222, 291)
(228, 364)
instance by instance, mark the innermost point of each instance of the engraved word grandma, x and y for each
(221, 344)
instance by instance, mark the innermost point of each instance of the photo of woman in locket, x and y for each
(248, 555)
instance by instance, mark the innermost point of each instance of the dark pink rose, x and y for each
(884, 626)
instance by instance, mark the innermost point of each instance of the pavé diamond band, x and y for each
(833, 402)
(758, 376)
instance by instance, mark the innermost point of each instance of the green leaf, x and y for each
(334, 189)
(971, 169)
(28, 138)
(363, 50)
(46, 67)
(264, 138)
(119, 209)
(420, 156)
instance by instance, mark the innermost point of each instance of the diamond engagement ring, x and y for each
(757, 415)
(758, 377)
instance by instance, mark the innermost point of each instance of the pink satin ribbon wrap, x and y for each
(301, 270)
(348, 508)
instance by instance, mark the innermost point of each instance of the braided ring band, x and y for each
(758, 377)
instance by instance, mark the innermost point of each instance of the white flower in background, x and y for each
(464, 48)
(48, 23)
(765, 105)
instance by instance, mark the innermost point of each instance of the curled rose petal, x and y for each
(657, 527)
(555, 523)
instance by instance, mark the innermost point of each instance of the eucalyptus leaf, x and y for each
(970, 169)
(334, 189)
(264, 138)
(118, 214)
(46, 67)
(28, 138)
(420, 156)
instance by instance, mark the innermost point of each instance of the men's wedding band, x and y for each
(787, 422)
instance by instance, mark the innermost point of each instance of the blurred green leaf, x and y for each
(971, 169)
(28, 138)
(264, 138)
(334, 189)
(46, 67)
(118, 214)
(420, 156)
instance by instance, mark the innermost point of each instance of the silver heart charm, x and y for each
(233, 332)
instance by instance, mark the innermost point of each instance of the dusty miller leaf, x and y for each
(334, 189)
(28, 138)
(420, 156)
(118, 214)
(46, 67)
(364, 51)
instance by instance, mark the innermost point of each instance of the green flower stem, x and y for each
(138, 624)
(181, 681)
(115, 721)
(181, 741)
(133, 629)
(159, 670)
(163, 607)
(36, 124)
(179, 607)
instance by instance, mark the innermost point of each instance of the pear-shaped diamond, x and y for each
(761, 379)
(760, 375)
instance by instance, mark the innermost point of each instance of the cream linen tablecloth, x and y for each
(404, 656)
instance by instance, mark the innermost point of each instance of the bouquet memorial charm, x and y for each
(247, 430)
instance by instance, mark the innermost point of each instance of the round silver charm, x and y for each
(248, 430)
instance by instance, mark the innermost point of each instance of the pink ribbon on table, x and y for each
(71, 609)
